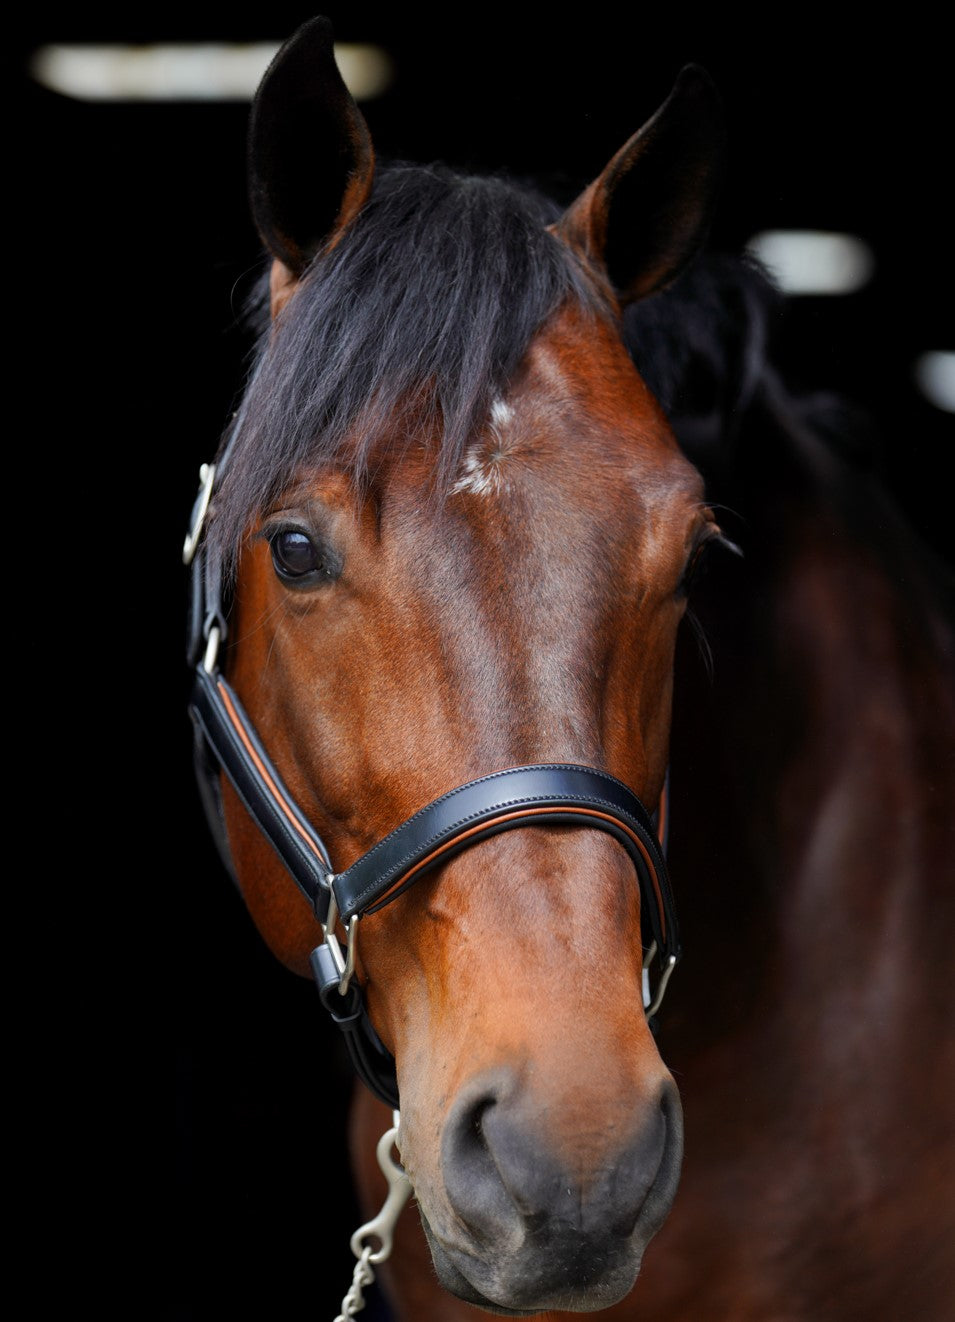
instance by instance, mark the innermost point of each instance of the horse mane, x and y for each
(429, 301)
(707, 347)
(703, 347)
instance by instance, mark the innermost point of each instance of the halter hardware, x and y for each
(380, 1227)
(345, 964)
(547, 794)
(653, 1000)
(211, 655)
(207, 477)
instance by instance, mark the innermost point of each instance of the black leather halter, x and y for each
(550, 794)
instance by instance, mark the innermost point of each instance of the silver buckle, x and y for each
(212, 650)
(652, 1001)
(345, 964)
(207, 474)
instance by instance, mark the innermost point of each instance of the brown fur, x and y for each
(483, 621)
(531, 614)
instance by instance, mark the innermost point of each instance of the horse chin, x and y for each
(565, 1276)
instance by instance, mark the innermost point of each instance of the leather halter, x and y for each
(555, 794)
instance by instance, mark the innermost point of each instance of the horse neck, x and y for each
(829, 724)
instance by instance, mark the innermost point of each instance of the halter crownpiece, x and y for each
(545, 794)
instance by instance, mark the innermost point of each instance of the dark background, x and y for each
(191, 1063)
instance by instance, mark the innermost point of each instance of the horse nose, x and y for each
(513, 1173)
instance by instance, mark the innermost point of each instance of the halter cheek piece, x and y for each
(557, 794)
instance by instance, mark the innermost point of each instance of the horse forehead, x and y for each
(579, 411)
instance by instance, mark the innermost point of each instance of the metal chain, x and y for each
(354, 1300)
(380, 1228)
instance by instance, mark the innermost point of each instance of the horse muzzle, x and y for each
(520, 1229)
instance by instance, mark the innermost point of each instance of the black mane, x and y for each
(432, 297)
(439, 285)
(702, 347)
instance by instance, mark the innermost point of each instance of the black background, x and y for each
(187, 1060)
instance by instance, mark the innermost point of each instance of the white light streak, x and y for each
(814, 261)
(206, 71)
(935, 376)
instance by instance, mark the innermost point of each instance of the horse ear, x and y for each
(311, 161)
(647, 214)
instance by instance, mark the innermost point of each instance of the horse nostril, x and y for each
(508, 1182)
(473, 1182)
(659, 1154)
(472, 1144)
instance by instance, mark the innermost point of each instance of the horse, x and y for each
(442, 570)
(813, 772)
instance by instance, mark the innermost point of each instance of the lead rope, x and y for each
(380, 1227)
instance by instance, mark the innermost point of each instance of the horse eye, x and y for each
(294, 554)
(700, 557)
(692, 571)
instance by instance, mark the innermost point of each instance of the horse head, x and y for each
(462, 534)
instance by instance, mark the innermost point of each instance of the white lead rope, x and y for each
(380, 1227)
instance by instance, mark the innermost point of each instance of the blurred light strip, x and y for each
(935, 376)
(814, 261)
(205, 71)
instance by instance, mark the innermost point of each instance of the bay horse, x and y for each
(440, 568)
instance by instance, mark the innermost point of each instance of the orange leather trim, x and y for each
(260, 767)
(662, 811)
(535, 812)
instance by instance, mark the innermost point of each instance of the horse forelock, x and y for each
(411, 325)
